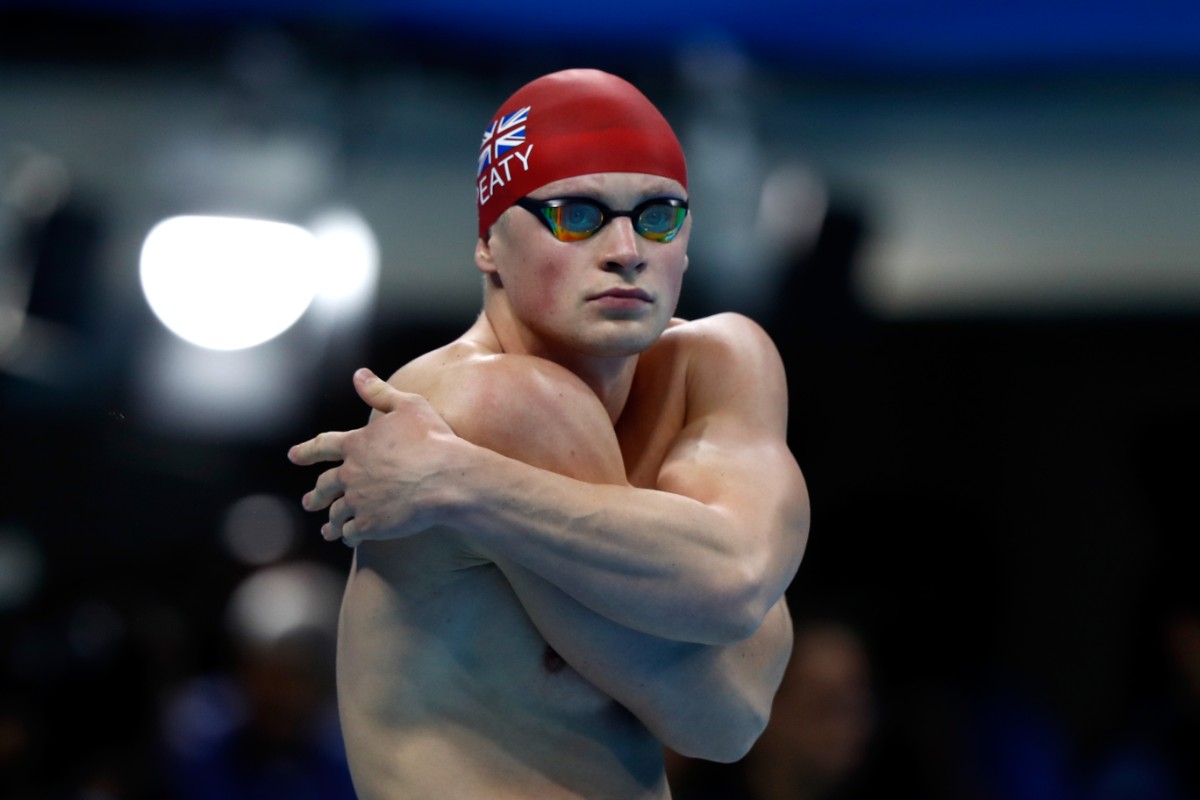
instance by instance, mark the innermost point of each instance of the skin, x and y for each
(573, 529)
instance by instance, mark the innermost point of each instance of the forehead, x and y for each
(622, 188)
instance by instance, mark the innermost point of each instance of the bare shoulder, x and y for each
(522, 406)
(730, 361)
(472, 372)
(727, 336)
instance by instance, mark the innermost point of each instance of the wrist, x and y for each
(456, 490)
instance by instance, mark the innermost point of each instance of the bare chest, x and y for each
(425, 612)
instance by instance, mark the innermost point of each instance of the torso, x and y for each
(446, 688)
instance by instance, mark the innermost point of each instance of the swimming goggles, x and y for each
(572, 219)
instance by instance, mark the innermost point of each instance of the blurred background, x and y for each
(973, 230)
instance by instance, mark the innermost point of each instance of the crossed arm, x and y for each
(659, 596)
(700, 558)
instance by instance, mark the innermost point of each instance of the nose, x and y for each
(622, 245)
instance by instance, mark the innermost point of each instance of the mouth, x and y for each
(624, 294)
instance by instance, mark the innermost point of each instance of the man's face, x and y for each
(611, 294)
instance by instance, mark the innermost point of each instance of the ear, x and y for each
(484, 260)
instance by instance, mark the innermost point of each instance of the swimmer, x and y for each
(574, 524)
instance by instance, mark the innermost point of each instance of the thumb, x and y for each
(375, 392)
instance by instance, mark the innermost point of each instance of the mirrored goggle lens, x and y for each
(579, 219)
(660, 222)
(571, 222)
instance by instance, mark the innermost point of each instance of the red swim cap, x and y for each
(575, 122)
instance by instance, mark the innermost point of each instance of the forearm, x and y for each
(704, 701)
(542, 482)
(655, 561)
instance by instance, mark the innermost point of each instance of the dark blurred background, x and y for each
(973, 230)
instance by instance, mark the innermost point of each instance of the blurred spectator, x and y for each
(817, 742)
(822, 721)
(73, 705)
(1159, 758)
(1022, 749)
(20, 747)
(833, 734)
(269, 731)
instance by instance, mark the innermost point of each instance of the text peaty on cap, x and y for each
(574, 122)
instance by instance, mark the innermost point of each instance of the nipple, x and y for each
(552, 662)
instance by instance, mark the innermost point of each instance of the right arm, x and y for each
(699, 554)
(703, 700)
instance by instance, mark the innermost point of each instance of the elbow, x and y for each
(724, 721)
(720, 752)
(725, 737)
(734, 610)
(733, 746)
(718, 726)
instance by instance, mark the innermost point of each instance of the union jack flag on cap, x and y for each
(504, 134)
(584, 121)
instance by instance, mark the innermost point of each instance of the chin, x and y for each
(620, 351)
(628, 342)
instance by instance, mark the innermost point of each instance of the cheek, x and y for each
(673, 274)
(543, 287)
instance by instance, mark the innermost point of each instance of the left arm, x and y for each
(708, 551)
(701, 700)
(702, 557)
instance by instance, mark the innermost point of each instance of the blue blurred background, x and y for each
(972, 228)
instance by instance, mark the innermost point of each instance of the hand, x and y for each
(386, 486)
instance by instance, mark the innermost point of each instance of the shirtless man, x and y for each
(574, 524)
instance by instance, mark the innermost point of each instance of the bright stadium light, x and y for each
(227, 283)
(349, 261)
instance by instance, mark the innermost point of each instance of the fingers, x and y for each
(326, 446)
(339, 514)
(376, 392)
(341, 524)
(329, 491)
(329, 487)
(350, 536)
(346, 536)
